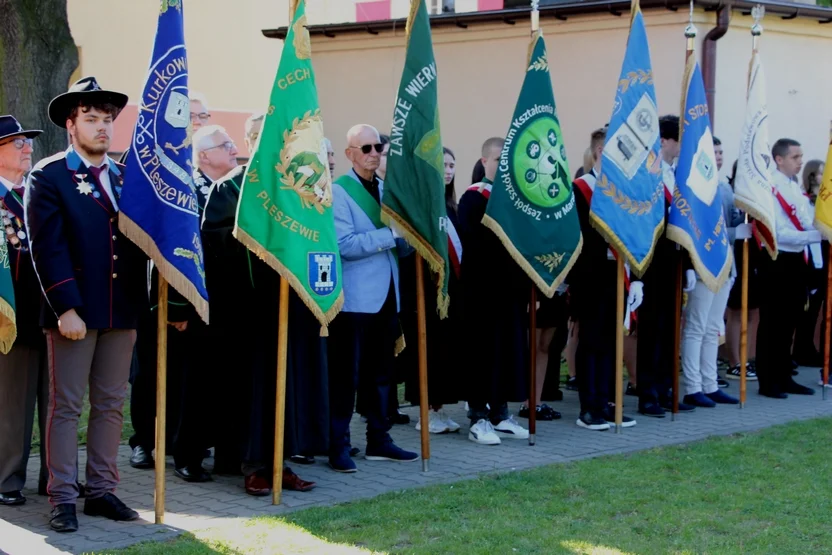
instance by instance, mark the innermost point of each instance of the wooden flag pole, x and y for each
(744, 321)
(422, 328)
(690, 36)
(280, 400)
(161, 398)
(827, 322)
(533, 365)
(619, 346)
(677, 334)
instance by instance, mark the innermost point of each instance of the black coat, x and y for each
(27, 293)
(244, 296)
(81, 258)
(495, 294)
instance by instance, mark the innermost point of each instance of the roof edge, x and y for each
(785, 9)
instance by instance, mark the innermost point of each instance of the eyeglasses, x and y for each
(227, 145)
(19, 143)
(367, 148)
(202, 116)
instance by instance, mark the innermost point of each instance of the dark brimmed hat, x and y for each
(10, 127)
(88, 91)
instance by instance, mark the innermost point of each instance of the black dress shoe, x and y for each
(652, 410)
(63, 519)
(12, 498)
(354, 451)
(302, 459)
(400, 418)
(109, 506)
(773, 394)
(194, 474)
(797, 389)
(141, 458)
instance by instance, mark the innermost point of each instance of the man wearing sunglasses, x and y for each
(364, 336)
(23, 371)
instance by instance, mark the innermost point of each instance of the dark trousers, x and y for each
(656, 326)
(24, 379)
(784, 281)
(143, 385)
(597, 326)
(497, 412)
(362, 344)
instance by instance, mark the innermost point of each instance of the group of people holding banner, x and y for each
(280, 249)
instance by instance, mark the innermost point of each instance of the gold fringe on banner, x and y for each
(435, 262)
(171, 273)
(8, 327)
(325, 318)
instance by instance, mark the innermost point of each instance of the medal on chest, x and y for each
(84, 187)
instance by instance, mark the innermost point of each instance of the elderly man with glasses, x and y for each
(23, 372)
(200, 116)
(364, 336)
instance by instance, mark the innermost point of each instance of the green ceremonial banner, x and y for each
(285, 210)
(532, 205)
(8, 323)
(414, 188)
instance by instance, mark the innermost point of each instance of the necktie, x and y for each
(105, 198)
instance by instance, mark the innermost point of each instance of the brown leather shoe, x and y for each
(292, 481)
(257, 486)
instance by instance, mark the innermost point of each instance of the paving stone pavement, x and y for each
(190, 507)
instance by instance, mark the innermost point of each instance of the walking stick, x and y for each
(826, 330)
(161, 399)
(619, 346)
(423, 361)
(533, 365)
(280, 401)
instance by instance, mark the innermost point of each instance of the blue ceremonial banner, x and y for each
(629, 211)
(159, 209)
(696, 220)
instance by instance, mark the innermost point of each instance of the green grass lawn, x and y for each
(765, 492)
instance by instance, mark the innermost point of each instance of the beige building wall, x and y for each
(230, 60)
(481, 70)
(480, 73)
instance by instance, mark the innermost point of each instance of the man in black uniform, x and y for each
(495, 295)
(244, 294)
(23, 372)
(592, 288)
(93, 281)
(656, 325)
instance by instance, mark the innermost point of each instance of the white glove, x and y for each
(395, 230)
(743, 231)
(690, 281)
(636, 296)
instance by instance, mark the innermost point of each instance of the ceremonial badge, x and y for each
(323, 276)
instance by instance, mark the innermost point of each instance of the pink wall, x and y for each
(374, 10)
(489, 5)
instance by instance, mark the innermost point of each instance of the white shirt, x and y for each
(789, 238)
(8, 184)
(105, 177)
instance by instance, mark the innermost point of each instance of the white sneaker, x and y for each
(452, 426)
(483, 433)
(435, 424)
(511, 429)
